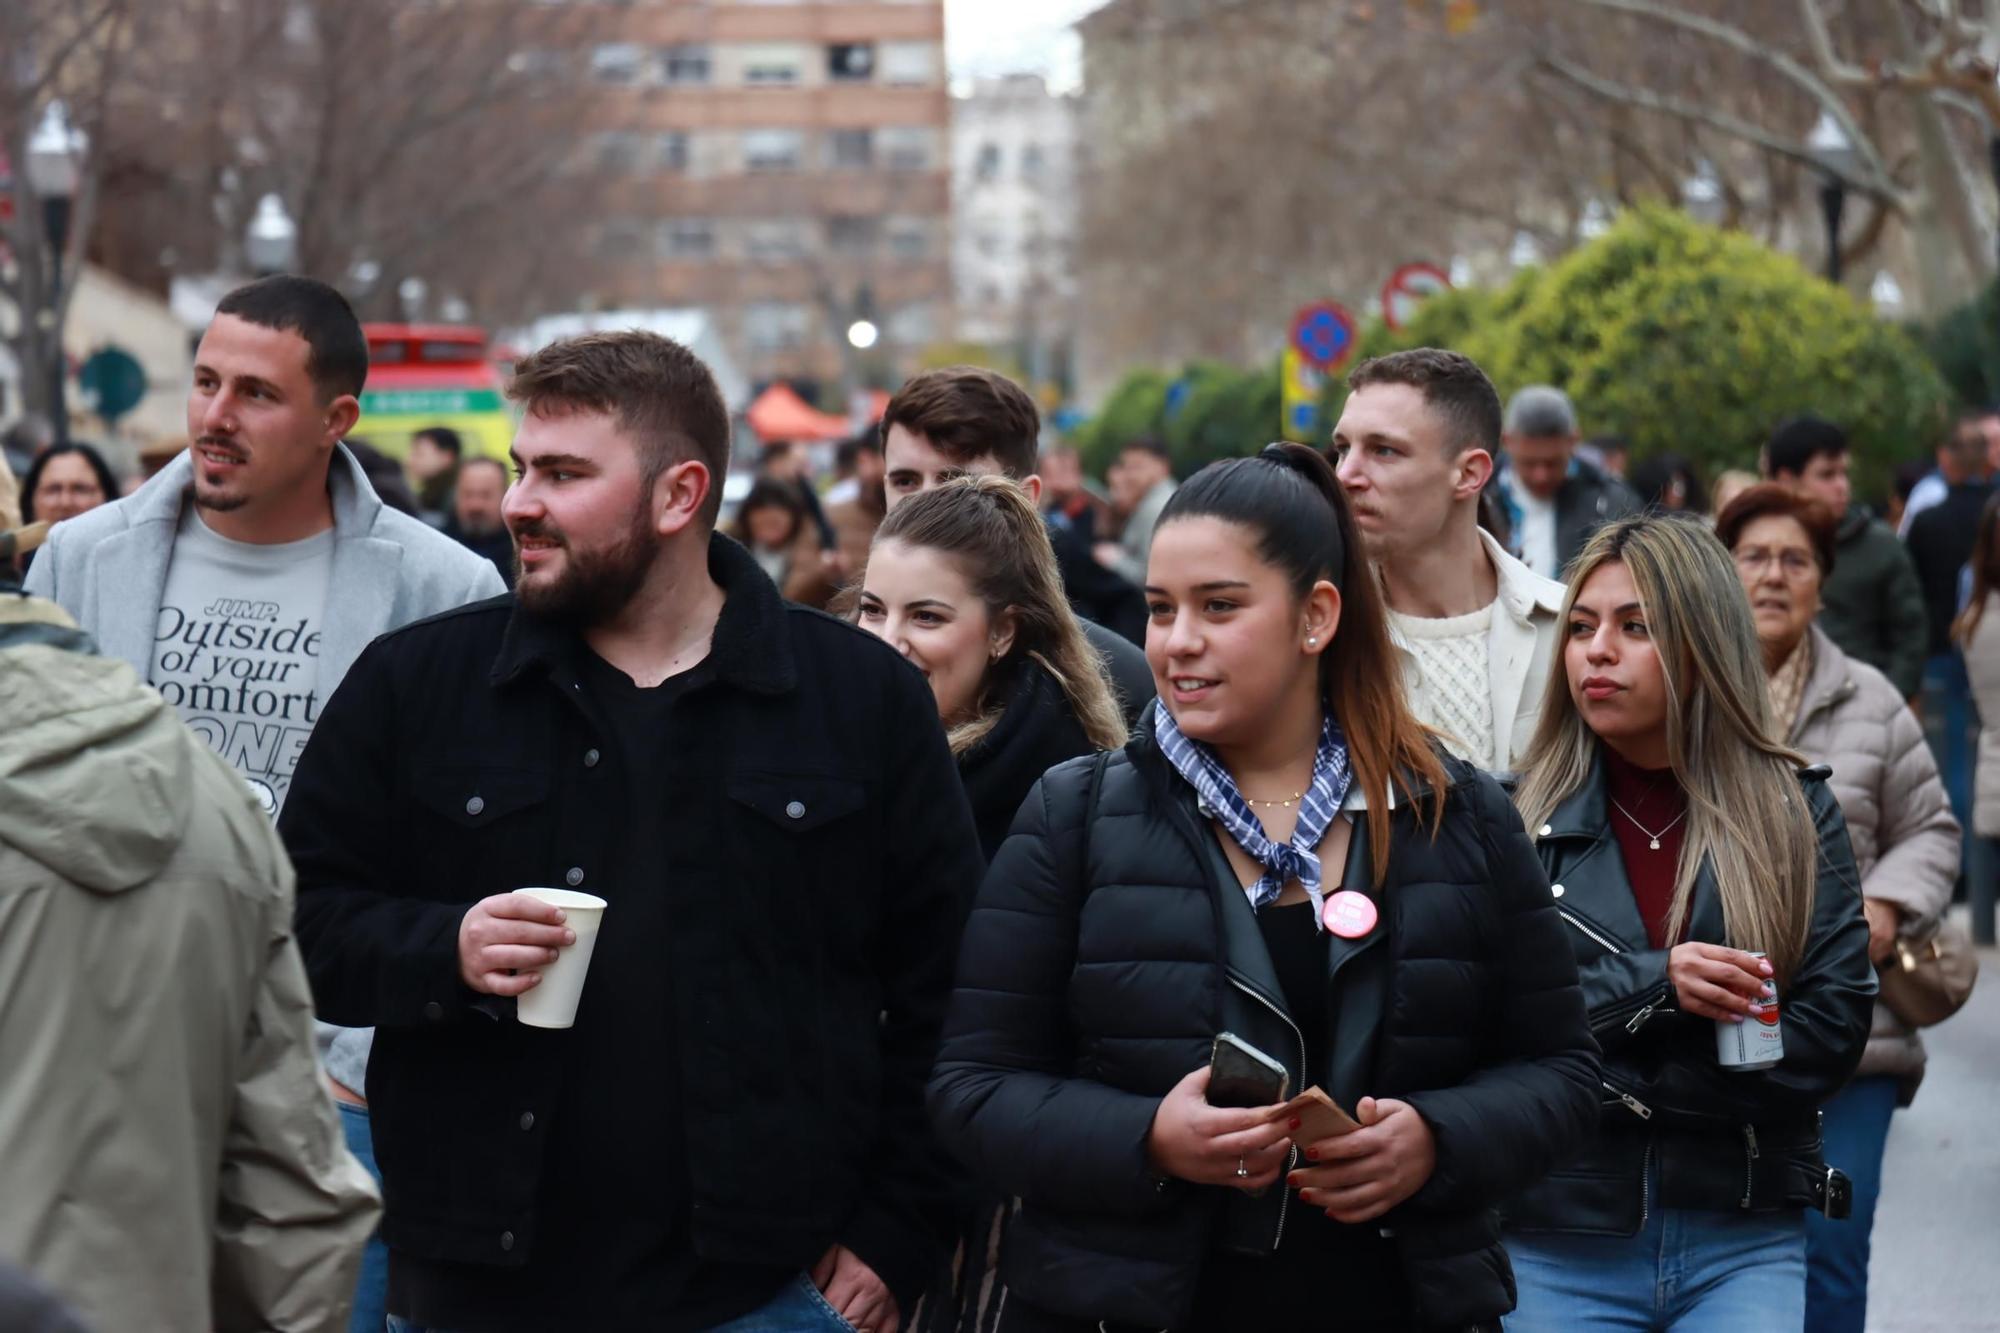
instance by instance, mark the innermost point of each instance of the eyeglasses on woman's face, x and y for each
(1793, 563)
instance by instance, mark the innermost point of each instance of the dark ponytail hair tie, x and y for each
(1301, 518)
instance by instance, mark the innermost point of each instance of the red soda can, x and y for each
(1756, 1042)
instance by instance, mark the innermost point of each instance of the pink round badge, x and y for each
(1349, 915)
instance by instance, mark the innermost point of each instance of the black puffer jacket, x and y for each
(1110, 944)
(1721, 1139)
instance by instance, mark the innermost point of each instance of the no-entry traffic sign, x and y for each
(1407, 289)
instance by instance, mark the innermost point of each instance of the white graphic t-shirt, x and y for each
(236, 649)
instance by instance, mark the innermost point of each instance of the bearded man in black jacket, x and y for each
(733, 1128)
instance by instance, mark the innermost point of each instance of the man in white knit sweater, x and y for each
(1476, 629)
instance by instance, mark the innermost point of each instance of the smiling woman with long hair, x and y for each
(1702, 874)
(962, 581)
(1284, 854)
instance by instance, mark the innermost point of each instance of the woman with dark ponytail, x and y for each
(1283, 854)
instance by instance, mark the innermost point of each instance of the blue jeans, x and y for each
(797, 1308)
(1856, 1126)
(1949, 721)
(1688, 1270)
(371, 1294)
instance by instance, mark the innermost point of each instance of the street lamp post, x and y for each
(55, 165)
(1834, 152)
(272, 242)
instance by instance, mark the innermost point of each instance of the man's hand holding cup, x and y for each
(504, 940)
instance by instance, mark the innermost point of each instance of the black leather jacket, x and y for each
(1720, 1139)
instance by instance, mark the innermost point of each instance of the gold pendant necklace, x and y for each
(1276, 805)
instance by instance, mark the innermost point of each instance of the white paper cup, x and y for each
(552, 1002)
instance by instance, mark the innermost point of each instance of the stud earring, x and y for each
(1312, 642)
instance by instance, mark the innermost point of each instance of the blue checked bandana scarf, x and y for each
(1282, 862)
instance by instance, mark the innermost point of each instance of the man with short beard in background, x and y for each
(475, 522)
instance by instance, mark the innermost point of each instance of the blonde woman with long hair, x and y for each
(1702, 871)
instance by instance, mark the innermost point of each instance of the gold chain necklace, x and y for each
(1276, 805)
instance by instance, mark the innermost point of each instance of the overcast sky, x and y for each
(984, 37)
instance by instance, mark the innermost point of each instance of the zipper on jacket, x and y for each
(1632, 1104)
(1284, 1199)
(1646, 1185)
(1639, 1019)
(1607, 944)
(1749, 1162)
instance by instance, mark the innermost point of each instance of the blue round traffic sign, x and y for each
(1323, 333)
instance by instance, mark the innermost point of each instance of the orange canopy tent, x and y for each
(780, 414)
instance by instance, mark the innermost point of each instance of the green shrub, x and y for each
(1136, 407)
(1681, 337)
(1689, 339)
(1965, 346)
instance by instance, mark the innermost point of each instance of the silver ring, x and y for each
(1242, 1171)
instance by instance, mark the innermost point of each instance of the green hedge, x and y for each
(1678, 336)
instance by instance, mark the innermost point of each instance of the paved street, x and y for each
(1937, 1231)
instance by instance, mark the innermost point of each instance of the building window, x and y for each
(675, 152)
(987, 165)
(854, 236)
(773, 326)
(1032, 162)
(620, 153)
(850, 62)
(620, 238)
(775, 239)
(538, 65)
(772, 150)
(910, 239)
(772, 65)
(912, 325)
(687, 238)
(850, 150)
(684, 64)
(910, 63)
(617, 62)
(907, 147)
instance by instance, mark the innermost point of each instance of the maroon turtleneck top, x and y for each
(1654, 799)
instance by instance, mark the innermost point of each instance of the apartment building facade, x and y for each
(1014, 222)
(783, 165)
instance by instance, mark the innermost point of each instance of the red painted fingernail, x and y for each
(1295, 1123)
(1312, 1154)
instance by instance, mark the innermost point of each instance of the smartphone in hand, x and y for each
(1240, 1075)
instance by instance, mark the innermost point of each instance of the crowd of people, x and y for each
(1326, 886)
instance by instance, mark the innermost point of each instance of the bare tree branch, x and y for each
(1872, 182)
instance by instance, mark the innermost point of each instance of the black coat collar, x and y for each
(750, 650)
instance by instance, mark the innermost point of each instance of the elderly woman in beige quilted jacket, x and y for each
(1840, 711)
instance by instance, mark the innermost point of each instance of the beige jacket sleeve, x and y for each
(10, 498)
(295, 1207)
(1919, 836)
